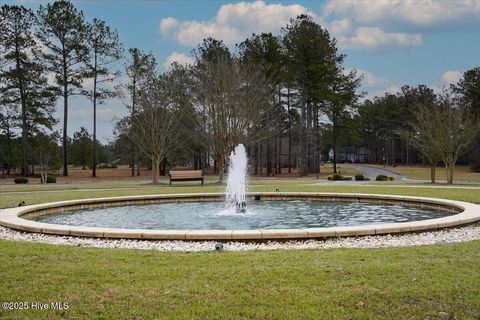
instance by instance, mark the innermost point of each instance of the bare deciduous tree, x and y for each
(443, 132)
(236, 97)
(44, 151)
(425, 132)
(456, 131)
(154, 128)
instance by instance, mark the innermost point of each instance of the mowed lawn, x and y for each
(462, 174)
(428, 282)
(433, 282)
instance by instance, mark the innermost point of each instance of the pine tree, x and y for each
(23, 78)
(104, 50)
(139, 66)
(313, 64)
(63, 33)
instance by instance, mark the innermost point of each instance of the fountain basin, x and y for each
(460, 213)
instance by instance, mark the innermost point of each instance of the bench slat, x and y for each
(186, 175)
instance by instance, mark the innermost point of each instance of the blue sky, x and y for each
(391, 42)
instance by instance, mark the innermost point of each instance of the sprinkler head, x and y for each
(240, 207)
(218, 246)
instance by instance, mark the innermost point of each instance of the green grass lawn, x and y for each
(462, 174)
(431, 282)
(396, 283)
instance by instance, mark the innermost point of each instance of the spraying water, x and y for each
(237, 176)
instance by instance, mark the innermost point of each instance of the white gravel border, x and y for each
(452, 235)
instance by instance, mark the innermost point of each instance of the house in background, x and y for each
(350, 154)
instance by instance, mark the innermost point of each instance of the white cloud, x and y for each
(51, 80)
(339, 27)
(373, 85)
(168, 26)
(233, 23)
(373, 37)
(87, 84)
(451, 76)
(393, 89)
(369, 80)
(179, 58)
(426, 13)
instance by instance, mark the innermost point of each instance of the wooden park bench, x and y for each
(184, 175)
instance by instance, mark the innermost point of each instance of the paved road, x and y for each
(373, 172)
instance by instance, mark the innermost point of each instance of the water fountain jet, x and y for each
(237, 177)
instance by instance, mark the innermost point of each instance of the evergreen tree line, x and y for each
(287, 97)
(54, 42)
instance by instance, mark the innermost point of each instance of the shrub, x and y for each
(20, 180)
(390, 178)
(338, 177)
(107, 166)
(475, 167)
(359, 177)
(50, 179)
(381, 177)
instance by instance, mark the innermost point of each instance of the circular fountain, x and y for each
(29, 218)
(238, 215)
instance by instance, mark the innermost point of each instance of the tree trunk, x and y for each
(275, 156)
(452, 171)
(280, 155)
(408, 153)
(155, 169)
(43, 173)
(154, 172)
(132, 165)
(317, 145)
(433, 167)
(289, 134)
(221, 168)
(84, 158)
(24, 113)
(138, 163)
(269, 160)
(65, 117)
(24, 140)
(94, 162)
(393, 149)
(334, 148)
(134, 149)
(9, 148)
(450, 166)
(303, 150)
(256, 160)
(261, 159)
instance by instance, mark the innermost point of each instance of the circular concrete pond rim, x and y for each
(464, 213)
